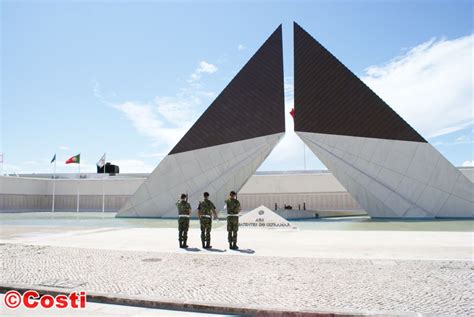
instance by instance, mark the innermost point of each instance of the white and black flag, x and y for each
(101, 162)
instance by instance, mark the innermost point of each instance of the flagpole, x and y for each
(103, 192)
(78, 181)
(54, 182)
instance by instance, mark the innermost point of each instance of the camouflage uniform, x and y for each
(233, 209)
(184, 209)
(206, 207)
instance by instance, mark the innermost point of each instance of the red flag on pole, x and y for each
(76, 159)
(292, 112)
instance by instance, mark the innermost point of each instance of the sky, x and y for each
(129, 78)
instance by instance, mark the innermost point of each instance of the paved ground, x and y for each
(352, 271)
(98, 310)
(286, 243)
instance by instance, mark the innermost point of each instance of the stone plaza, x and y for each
(350, 272)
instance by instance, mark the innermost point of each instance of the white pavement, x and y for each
(379, 272)
(400, 245)
(96, 310)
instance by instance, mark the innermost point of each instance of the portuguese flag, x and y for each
(292, 112)
(74, 159)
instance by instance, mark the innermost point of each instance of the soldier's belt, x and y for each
(207, 216)
(187, 216)
(233, 215)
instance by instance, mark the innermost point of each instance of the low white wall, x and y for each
(25, 194)
(292, 183)
(318, 191)
(43, 186)
(310, 201)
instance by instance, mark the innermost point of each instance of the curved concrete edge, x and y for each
(213, 308)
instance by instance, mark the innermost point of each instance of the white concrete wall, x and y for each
(215, 169)
(338, 201)
(320, 191)
(23, 194)
(393, 178)
(293, 183)
(468, 172)
(42, 186)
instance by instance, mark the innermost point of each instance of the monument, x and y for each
(390, 169)
(227, 143)
(264, 218)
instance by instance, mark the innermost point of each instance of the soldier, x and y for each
(184, 211)
(206, 210)
(233, 209)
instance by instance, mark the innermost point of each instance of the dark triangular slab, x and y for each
(330, 99)
(252, 105)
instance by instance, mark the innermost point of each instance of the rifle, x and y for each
(239, 202)
(187, 202)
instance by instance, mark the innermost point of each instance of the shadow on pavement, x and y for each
(192, 249)
(247, 251)
(216, 250)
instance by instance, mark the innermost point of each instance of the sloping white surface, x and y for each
(216, 169)
(264, 218)
(391, 178)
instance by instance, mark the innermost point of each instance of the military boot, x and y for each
(230, 246)
(180, 243)
(185, 244)
(235, 247)
(203, 244)
(208, 244)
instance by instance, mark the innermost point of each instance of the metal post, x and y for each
(78, 182)
(54, 183)
(103, 190)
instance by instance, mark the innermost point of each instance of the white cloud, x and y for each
(203, 68)
(166, 119)
(97, 91)
(133, 166)
(241, 47)
(289, 88)
(64, 148)
(152, 155)
(468, 163)
(431, 86)
(180, 110)
(149, 120)
(463, 139)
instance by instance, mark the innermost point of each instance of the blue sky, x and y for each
(129, 78)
